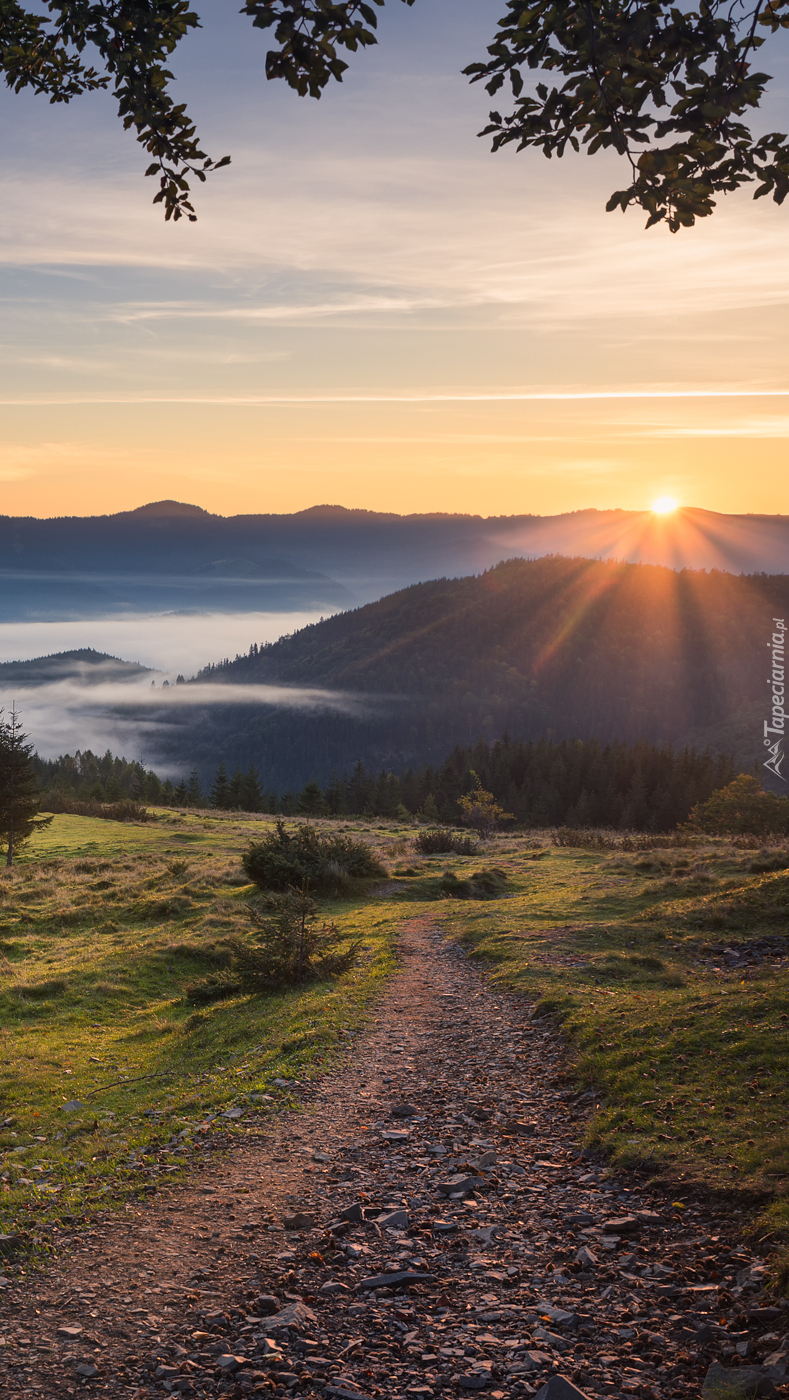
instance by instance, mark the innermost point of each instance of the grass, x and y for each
(681, 1045)
(102, 927)
(679, 1050)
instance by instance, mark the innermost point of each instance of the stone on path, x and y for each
(744, 1383)
(559, 1388)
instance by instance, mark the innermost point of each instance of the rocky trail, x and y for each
(425, 1225)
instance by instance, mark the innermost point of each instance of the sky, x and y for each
(372, 310)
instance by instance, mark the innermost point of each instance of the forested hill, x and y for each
(566, 648)
(85, 665)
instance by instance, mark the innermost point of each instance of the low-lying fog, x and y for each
(128, 716)
(172, 642)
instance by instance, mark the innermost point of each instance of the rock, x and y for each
(621, 1225)
(333, 1286)
(88, 1370)
(299, 1221)
(586, 1257)
(230, 1363)
(344, 1392)
(560, 1317)
(321, 1157)
(541, 1334)
(394, 1280)
(559, 1388)
(403, 1110)
(266, 1304)
(73, 1107)
(295, 1315)
(395, 1220)
(233, 1113)
(70, 1331)
(352, 1213)
(647, 1217)
(473, 1380)
(396, 1135)
(457, 1185)
(267, 1348)
(10, 1245)
(486, 1235)
(166, 1373)
(522, 1129)
(444, 1227)
(744, 1383)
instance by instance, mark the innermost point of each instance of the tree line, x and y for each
(542, 783)
(545, 783)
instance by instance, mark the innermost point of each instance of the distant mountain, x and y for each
(87, 666)
(566, 648)
(168, 556)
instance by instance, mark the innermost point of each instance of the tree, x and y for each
(644, 76)
(741, 808)
(665, 87)
(220, 789)
(480, 810)
(196, 798)
(20, 797)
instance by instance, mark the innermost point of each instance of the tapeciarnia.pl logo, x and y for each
(776, 725)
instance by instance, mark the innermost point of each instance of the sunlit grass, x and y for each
(101, 929)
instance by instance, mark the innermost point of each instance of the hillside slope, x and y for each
(555, 646)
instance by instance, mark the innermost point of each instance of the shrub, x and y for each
(480, 810)
(302, 857)
(443, 842)
(288, 946)
(124, 811)
(483, 884)
(741, 808)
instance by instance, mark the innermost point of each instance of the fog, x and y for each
(173, 643)
(129, 717)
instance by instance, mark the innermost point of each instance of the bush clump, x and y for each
(303, 858)
(742, 808)
(124, 811)
(483, 884)
(288, 946)
(443, 842)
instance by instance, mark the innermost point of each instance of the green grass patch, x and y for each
(103, 931)
(670, 977)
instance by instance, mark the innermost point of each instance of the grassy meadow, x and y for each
(668, 969)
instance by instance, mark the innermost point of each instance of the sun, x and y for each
(664, 505)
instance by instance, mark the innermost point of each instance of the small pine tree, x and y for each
(480, 810)
(311, 802)
(20, 798)
(181, 795)
(194, 790)
(251, 796)
(220, 789)
(235, 791)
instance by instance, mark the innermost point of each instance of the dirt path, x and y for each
(204, 1292)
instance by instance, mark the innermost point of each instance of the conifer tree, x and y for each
(194, 790)
(20, 796)
(220, 789)
(251, 796)
(181, 795)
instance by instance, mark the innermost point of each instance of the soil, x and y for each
(450, 1128)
